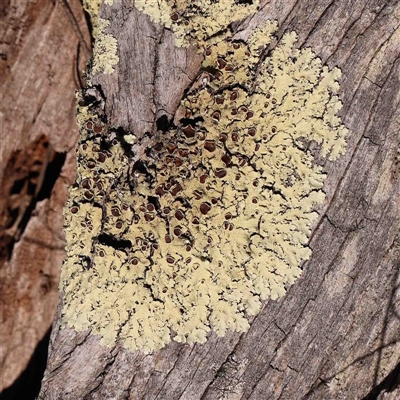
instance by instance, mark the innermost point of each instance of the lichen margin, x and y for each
(105, 50)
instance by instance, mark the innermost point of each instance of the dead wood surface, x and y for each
(336, 334)
(42, 51)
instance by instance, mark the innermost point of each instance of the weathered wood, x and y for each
(42, 51)
(336, 334)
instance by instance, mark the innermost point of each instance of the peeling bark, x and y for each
(44, 47)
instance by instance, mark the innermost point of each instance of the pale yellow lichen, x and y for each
(105, 48)
(83, 113)
(105, 56)
(196, 21)
(216, 216)
(92, 7)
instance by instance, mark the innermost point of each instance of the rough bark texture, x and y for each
(42, 51)
(336, 334)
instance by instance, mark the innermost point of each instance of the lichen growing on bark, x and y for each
(197, 21)
(105, 48)
(216, 216)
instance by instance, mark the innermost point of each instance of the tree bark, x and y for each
(336, 333)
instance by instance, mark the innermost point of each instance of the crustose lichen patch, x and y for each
(105, 54)
(198, 21)
(216, 217)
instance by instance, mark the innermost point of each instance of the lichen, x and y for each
(197, 21)
(215, 217)
(105, 49)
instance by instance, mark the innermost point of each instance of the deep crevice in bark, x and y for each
(29, 177)
(388, 385)
(27, 385)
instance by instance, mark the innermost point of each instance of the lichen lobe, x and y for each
(198, 22)
(105, 49)
(216, 217)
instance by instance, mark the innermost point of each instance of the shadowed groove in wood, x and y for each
(27, 385)
(38, 62)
